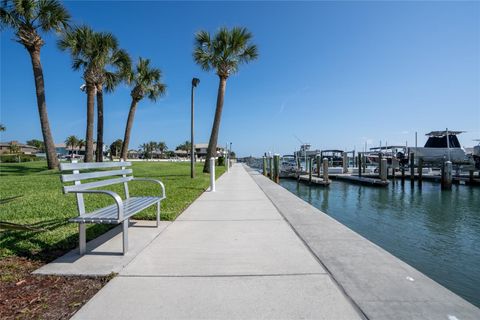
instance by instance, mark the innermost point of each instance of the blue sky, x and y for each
(334, 74)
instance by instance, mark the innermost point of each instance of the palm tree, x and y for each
(145, 81)
(14, 148)
(223, 53)
(80, 144)
(72, 142)
(162, 146)
(27, 18)
(94, 52)
(119, 61)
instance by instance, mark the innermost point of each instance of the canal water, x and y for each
(437, 232)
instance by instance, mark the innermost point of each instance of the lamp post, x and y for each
(195, 82)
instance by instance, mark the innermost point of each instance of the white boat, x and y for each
(441, 146)
(288, 166)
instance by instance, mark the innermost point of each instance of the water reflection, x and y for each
(437, 232)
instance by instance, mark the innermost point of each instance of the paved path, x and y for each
(230, 255)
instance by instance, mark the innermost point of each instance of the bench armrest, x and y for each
(116, 197)
(154, 181)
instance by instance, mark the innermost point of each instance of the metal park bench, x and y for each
(121, 211)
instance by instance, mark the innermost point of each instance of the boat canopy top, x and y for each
(388, 147)
(333, 151)
(441, 142)
(443, 133)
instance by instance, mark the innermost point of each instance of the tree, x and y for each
(28, 18)
(14, 148)
(162, 147)
(115, 147)
(224, 52)
(37, 144)
(94, 53)
(184, 146)
(80, 144)
(147, 149)
(145, 82)
(72, 142)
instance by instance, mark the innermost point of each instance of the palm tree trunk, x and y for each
(99, 152)
(50, 151)
(212, 144)
(90, 119)
(128, 129)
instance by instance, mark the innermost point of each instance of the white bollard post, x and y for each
(212, 174)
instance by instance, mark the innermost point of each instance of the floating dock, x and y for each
(315, 180)
(361, 180)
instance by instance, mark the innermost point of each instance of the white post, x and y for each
(212, 174)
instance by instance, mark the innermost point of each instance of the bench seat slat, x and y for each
(92, 165)
(96, 184)
(92, 175)
(108, 214)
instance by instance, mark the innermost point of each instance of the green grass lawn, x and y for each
(32, 195)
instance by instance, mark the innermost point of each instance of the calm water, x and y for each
(437, 232)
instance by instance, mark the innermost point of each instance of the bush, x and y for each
(13, 158)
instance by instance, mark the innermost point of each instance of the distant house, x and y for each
(63, 150)
(24, 148)
(201, 150)
(181, 153)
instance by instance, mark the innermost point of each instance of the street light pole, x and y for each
(195, 82)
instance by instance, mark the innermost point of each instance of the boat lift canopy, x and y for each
(443, 133)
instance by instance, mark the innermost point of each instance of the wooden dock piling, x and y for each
(265, 166)
(345, 162)
(310, 169)
(383, 169)
(325, 170)
(420, 172)
(276, 168)
(447, 175)
(360, 165)
(412, 169)
(318, 165)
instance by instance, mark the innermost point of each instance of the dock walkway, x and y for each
(230, 255)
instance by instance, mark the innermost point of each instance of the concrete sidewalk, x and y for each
(230, 255)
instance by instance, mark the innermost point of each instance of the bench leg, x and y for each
(158, 214)
(125, 236)
(82, 238)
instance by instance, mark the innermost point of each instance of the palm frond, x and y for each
(52, 15)
(225, 51)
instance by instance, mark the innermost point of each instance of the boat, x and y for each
(389, 153)
(441, 146)
(476, 154)
(288, 166)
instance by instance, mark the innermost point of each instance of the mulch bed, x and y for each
(27, 296)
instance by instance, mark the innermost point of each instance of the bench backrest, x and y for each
(119, 170)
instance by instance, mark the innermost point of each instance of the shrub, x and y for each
(12, 158)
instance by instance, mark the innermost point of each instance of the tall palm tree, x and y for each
(27, 18)
(95, 53)
(119, 61)
(72, 142)
(145, 82)
(224, 52)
